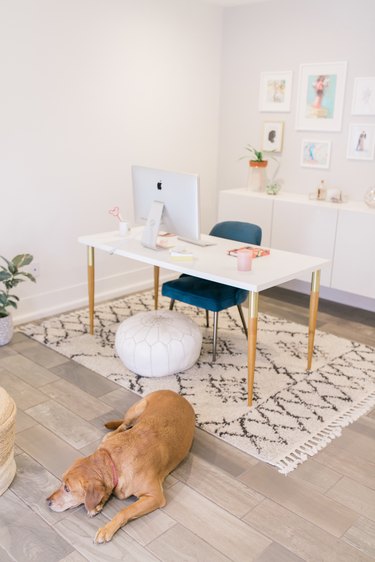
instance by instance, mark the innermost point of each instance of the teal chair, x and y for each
(209, 295)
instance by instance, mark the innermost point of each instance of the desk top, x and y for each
(210, 262)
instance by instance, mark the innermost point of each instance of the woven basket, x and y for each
(7, 433)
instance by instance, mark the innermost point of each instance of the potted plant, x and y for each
(257, 160)
(257, 171)
(10, 276)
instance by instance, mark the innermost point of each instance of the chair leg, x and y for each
(207, 320)
(216, 318)
(242, 318)
(171, 304)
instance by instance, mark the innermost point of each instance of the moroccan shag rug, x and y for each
(294, 413)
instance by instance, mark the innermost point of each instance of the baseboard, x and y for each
(74, 297)
(70, 298)
(334, 295)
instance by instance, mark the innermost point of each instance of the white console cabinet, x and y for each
(354, 258)
(343, 233)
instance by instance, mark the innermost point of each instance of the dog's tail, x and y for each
(113, 424)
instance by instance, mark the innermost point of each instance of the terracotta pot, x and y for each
(257, 164)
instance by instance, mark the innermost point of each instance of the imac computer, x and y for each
(167, 200)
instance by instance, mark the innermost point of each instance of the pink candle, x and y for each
(244, 260)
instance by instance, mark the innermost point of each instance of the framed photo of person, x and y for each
(315, 153)
(364, 96)
(275, 91)
(321, 96)
(272, 140)
(361, 141)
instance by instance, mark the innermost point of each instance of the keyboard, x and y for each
(197, 242)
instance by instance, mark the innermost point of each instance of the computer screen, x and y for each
(165, 200)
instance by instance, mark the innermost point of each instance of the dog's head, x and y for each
(84, 484)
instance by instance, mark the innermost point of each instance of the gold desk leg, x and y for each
(156, 286)
(251, 343)
(314, 301)
(91, 285)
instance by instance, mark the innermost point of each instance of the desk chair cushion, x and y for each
(203, 294)
(158, 343)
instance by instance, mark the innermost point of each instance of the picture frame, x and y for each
(315, 153)
(272, 138)
(361, 141)
(275, 91)
(320, 100)
(363, 102)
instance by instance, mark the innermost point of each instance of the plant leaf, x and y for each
(22, 259)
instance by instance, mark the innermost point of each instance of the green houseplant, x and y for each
(258, 163)
(11, 274)
(257, 169)
(256, 156)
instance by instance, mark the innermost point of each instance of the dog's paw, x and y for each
(104, 534)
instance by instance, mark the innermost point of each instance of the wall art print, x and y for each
(272, 140)
(364, 96)
(275, 91)
(361, 141)
(315, 153)
(321, 96)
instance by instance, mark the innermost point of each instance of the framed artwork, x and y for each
(315, 153)
(321, 96)
(364, 96)
(361, 141)
(275, 91)
(272, 140)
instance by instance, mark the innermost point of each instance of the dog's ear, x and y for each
(95, 498)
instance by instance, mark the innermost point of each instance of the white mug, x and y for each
(124, 228)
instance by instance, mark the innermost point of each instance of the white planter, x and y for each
(6, 329)
(257, 178)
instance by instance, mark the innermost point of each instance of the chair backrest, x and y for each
(236, 230)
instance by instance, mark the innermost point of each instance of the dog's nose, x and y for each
(49, 502)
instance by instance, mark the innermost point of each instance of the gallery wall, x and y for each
(280, 36)
(90, 87)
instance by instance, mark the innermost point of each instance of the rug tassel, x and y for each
(316, 443)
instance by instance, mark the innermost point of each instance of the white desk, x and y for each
(213, 263)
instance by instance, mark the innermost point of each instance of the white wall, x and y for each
(271, 36)
(89, 87)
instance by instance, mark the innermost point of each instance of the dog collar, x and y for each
(114, 471)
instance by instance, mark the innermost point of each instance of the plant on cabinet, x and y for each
(257, 168)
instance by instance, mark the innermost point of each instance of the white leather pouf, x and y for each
(158, 343)
(7, 434)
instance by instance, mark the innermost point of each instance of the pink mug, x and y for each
(244, 259)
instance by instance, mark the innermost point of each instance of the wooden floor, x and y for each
(222, 504)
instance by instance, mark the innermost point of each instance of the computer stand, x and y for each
(151, 229)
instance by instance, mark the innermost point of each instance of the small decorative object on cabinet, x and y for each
(320, 192)
(11, 275)
(273, 187)
(370, 197)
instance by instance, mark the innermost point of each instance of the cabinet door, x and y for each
(354, 266)
(305, 228)
(244, 206)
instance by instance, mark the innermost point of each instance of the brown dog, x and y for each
(152, 439)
